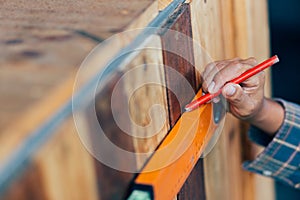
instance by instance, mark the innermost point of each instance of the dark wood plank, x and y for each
(27, 186)
(116, 182)
(184, 49)
(181, 22)
(194, 185)
(137, 104)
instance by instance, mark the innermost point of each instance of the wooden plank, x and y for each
(48, 60)
(194, 185)
(145, 90)
(208, 46)
(22, 126)
(117, 182)
(224, 35)
(33, 47)
(100, 18)
(137, 127)
(227, 151)
(254, 43)
(28, 186)
(66, 166)
(178, 54)
(62, 162)
(29, 47)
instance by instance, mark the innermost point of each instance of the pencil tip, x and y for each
(187, 109)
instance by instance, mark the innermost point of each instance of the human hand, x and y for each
(245, 99)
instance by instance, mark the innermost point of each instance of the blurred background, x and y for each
(285, 42)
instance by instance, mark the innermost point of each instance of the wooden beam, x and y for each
(179, 55)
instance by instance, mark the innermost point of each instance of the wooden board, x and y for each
(145, 89)
(179, 55)
(34, 37)
(42, 47)
(43, 44)
(223, 36)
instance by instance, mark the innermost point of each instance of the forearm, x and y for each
(269, 118)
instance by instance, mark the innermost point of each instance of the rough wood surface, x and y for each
(39, 57)
(221, 168)
(117, 182)
(233, 37)
(99, 18)
(42, 45)
(146, 94)
(179, 55)
(254, 43)
(65, 165)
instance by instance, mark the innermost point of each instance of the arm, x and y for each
(246, 101)
(276, 123)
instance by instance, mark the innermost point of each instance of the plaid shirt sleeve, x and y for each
(281, 157)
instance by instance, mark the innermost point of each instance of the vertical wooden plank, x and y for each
(209, 41)
(178, 54)
(116, 182)
(145, 90)
(214, 27)
(207, 33)
(194, 188)
(65, 165)
(184, 64)
(62, 162)
(27, 186)
(250, 42)
(138, 87)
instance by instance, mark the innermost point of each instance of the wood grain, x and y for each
(87, 15)
(28, 186)
(178, 54)
(65, 165)
(42, 45)
(146, 94)
(253, 43)
(117, 182)
(230, 39)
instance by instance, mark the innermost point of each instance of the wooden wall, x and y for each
(42, 46)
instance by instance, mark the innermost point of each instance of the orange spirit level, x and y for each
(169, 167)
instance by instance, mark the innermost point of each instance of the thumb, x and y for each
(235, 96)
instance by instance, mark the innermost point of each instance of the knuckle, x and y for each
(237, 66)
(204, 86)
(262, 76)
(220, 79)
(252, 60)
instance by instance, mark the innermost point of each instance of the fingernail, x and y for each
(229, 90)
(211, 87)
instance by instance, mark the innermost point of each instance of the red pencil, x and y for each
(247, 74)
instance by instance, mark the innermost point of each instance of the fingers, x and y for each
(218, 73)
(212, 68)
(240, 103)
